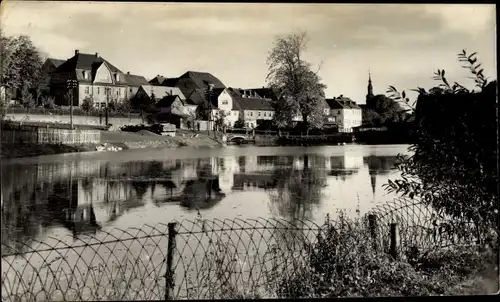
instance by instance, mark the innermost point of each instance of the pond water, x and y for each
(73, 194)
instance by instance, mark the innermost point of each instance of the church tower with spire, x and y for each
(369, 95)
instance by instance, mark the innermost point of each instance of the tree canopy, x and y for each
(21, 62)
(454, 166)
(302, 92)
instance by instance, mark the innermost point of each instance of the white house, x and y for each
(249, 107)
(345, 113)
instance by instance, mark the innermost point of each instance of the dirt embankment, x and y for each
(121, 140)
(146, 139)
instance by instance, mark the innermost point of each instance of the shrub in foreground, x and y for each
(343, 262)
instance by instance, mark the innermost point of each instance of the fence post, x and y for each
(372, 224)
(169, 276)
(394, 245)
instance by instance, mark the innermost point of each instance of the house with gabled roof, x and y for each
(48, 67)
(134, 82)
(96, 77)
(160, 91)
(249, 107)
(194, 85)
(345, 113)
(157, 81)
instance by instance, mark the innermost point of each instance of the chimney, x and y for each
(76, 52)
(97, 54)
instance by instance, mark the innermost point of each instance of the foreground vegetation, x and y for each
(454, 171)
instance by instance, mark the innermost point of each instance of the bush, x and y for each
(239, 124)
(344, 263)
(454, 167)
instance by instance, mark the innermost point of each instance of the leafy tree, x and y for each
(302, 92)
(386, 108)
(202, 112)
(21, 62)
(48, 102)
(239, 124)
(142, 103)
(87, 104)
(27, 98)
(124, 107)
(371, 118)
(220, 119)
(454, 163)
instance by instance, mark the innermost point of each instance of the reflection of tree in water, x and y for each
(378, 165)
(23, 208)
(299, 190)
(203, 192)
(140, 187)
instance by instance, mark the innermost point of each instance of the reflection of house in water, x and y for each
(197, 194)
(65, 208)
(343, 166)
(379, 165)
(248, 181)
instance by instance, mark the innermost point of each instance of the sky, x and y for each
(401, 44)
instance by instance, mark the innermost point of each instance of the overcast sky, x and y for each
(401, 44)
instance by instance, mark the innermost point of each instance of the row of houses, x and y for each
(178, 98)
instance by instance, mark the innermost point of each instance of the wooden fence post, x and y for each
(394, 245)
(372, 224)
(169, 276)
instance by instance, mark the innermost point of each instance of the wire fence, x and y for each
(194, 259)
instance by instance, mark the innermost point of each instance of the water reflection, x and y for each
(85, 196)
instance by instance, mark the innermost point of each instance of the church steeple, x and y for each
(370, 87)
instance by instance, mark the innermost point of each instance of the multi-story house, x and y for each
(345, 113)
(249, 107)
(97, 79)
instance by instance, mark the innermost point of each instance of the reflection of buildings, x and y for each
(379, 165)
(346, 165)
(65, 208)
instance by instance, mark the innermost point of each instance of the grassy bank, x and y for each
(343, 262)
(125, 140)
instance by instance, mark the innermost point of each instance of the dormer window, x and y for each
(117, 77)
(85, 75)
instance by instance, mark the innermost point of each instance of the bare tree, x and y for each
(302, 92)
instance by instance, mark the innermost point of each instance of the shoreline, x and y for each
(12, 151)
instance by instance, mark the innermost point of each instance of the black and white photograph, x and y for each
(247, 150)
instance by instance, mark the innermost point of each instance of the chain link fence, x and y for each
(202, 259)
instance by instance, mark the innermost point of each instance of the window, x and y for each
(259, 113)
(265, 113)
(224, 102)
(117, 77)
(130, 89)
(87, 90)
(338, 111)
(251, 113)
(98, 90)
